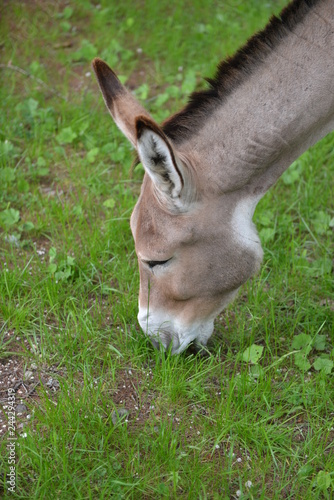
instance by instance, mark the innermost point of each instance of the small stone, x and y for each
(53, 384)
(12, 238)
(20, 408)
(28, 374)
(118, 415)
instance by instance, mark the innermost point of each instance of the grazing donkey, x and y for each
(209, 165)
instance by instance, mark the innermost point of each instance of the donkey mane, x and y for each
(233, 71)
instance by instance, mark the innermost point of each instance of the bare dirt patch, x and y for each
(22, 378)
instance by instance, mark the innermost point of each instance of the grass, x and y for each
(198, 428)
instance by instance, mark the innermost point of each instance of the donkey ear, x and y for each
(122, 105)
(154, 149)
(158, 158)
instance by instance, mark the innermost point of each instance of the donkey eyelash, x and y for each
(153, 263)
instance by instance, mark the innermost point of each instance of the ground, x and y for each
(255, 418)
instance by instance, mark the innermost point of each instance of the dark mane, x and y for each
(231, 72)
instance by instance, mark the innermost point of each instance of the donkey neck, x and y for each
(274, 114)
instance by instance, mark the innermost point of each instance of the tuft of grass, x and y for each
(253, 420)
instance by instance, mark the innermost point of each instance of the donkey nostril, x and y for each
(162, 341)
(156, 344)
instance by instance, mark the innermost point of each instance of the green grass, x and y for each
(197, 428)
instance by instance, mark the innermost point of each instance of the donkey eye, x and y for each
(153, 263)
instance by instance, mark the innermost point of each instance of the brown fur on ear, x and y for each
(143, 123)
(122, 105)
(108, 82)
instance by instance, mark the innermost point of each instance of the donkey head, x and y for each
(196, 245)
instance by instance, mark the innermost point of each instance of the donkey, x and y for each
(207, 166)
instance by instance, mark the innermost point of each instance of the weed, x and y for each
(253, 420)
